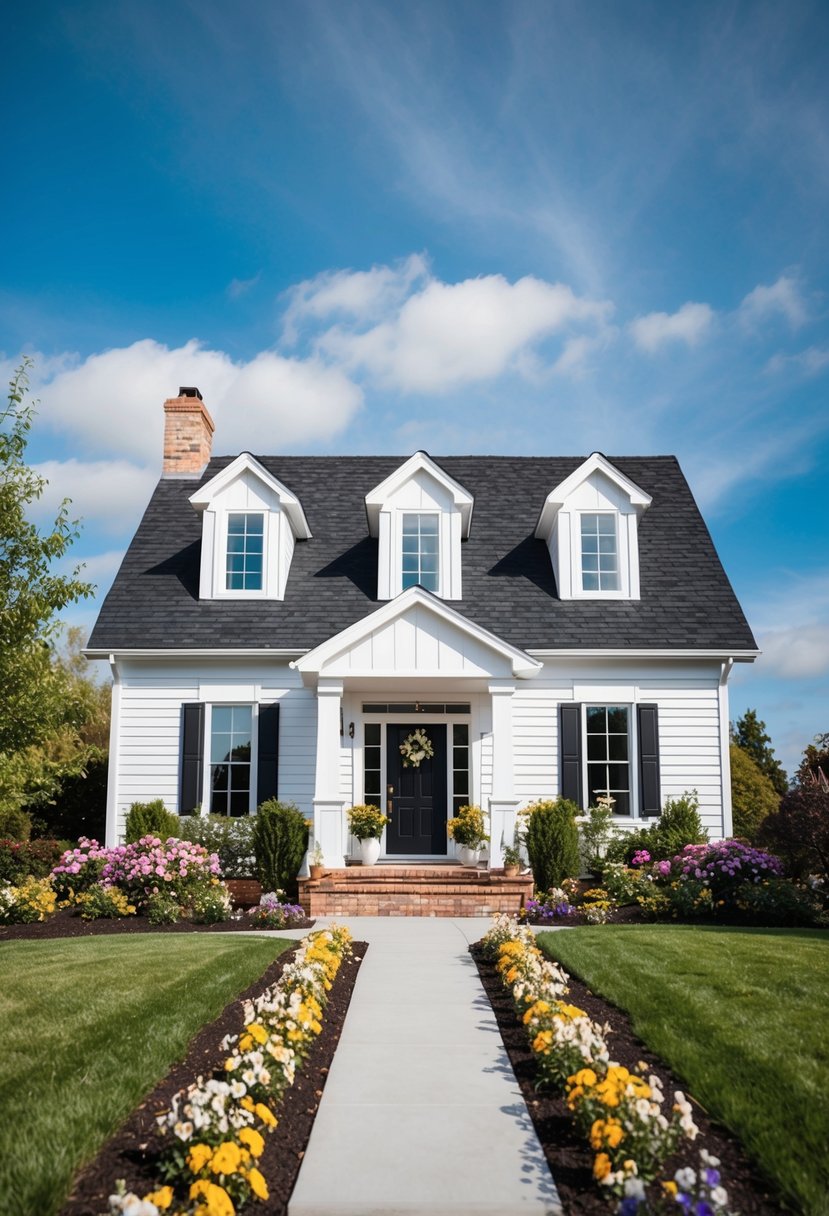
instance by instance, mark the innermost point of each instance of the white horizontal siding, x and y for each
(689, 745)
(535, 742)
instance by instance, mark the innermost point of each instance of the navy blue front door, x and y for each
(417, 795)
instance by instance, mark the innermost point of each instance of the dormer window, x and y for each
(421, 552)
(419, 515)
(245, 551)
(599, 553)
(251, 524)
(591, 525)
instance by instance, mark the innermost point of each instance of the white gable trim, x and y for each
(594, 463)
(289, 502)
(311, 664)
(420, 462)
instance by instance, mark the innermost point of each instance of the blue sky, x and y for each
(367, 227)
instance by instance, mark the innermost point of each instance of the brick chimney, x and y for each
(188, 434)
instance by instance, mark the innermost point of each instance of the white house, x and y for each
(280, 625)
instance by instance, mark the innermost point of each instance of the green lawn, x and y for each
(742, 1016)
(88, 1027)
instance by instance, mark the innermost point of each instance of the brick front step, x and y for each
(389, 890)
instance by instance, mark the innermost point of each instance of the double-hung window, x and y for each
(420, 556)
(607, 735)
(599, 552)
(231, 734)
(245, 546)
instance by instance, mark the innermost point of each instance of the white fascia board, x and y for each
(202, 652)
(594, 463)
(738, 656)
(247, 463)
(523, 665)
(421, 461)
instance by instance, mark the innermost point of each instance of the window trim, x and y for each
(443, 525)
(632, 760)
(263, 573)
(603, 592)
(420, 516)
(220, 591)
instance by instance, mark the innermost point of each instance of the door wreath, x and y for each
(416, 748)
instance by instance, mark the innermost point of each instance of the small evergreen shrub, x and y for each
(21, 859)
(15, 824)
(678, 825)
(280, 838)
(151, 819)
(552, 839)
(596, 834)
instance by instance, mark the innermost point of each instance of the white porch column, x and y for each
(329, 827)
(502, 802)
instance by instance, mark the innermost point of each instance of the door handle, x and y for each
(389, 799)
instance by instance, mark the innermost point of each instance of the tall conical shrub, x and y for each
(280, 838)
(553, 842)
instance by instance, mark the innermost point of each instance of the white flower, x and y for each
(685, 1178)
(634, 1188)
(708, 1158)
(184, 1131)
(643, 1108)
(689, 1127)
(719, 1196)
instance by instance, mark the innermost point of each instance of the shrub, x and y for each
(553, 842)
(678, 825)
(79, 868)
(596, 834)
(753, 797)
(15, 824)
(273, 912)
(280, 838)
(775, 901)
(211, 905)
(151, 819)
(799, 831)
(229, 838)
(142, 868)
(23, 858)
(623, 884)
(163, 908)
(107, 903)
(721, 866)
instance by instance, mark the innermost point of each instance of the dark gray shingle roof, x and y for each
(508, 584)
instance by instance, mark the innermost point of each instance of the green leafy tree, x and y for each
(749, 734)
(753, 797)
(36, 699)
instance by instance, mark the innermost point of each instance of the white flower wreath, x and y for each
(415, 748)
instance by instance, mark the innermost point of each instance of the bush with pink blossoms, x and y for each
(79, 869)
(179, 867)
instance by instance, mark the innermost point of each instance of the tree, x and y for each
(750, 735)
(753, 797)
(33, 687)
(799, 831)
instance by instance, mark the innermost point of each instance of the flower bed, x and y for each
(211, 1138)
(620, 1110)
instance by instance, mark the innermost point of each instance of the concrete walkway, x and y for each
(421, 1112)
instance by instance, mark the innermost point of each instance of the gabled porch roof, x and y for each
(412, 636)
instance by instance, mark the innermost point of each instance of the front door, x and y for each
(416, 796)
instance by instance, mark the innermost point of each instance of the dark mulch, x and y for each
(65, 924)
(569, 1156)
(132, 1152)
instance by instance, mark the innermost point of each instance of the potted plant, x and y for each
(512, 861)
(467, 829)
(366, 823)
(316, 862)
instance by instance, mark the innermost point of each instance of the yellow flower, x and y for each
(247, 1103)
(264, 1113)
(217, 1202)
(226, 1158)
(258, 1032)
(670, 1188)
(258, 1184)
(597, 1134)
(601, 1166)
(198, 1157)
(246, 1042)
(162, 1198)
(614, 1134)
(542, 1041)
(253, 1140)
(585, 1076)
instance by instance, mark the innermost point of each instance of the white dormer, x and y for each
(419, 515)
(590, 523)
(250, 524)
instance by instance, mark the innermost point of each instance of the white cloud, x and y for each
(450, 334)
(237, 288)
(689, 324)
(783, 298)
(793, 626)
(364, 295)
(111, 402)
(796, 653)
(111, 493)
(809, 362)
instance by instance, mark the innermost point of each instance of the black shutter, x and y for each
(650, 802)
(267, 768)
(569, 746)
(192, 751)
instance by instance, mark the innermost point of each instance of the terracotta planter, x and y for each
(510, 871)
(244, 892)
(316, 872)
(369, 851)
